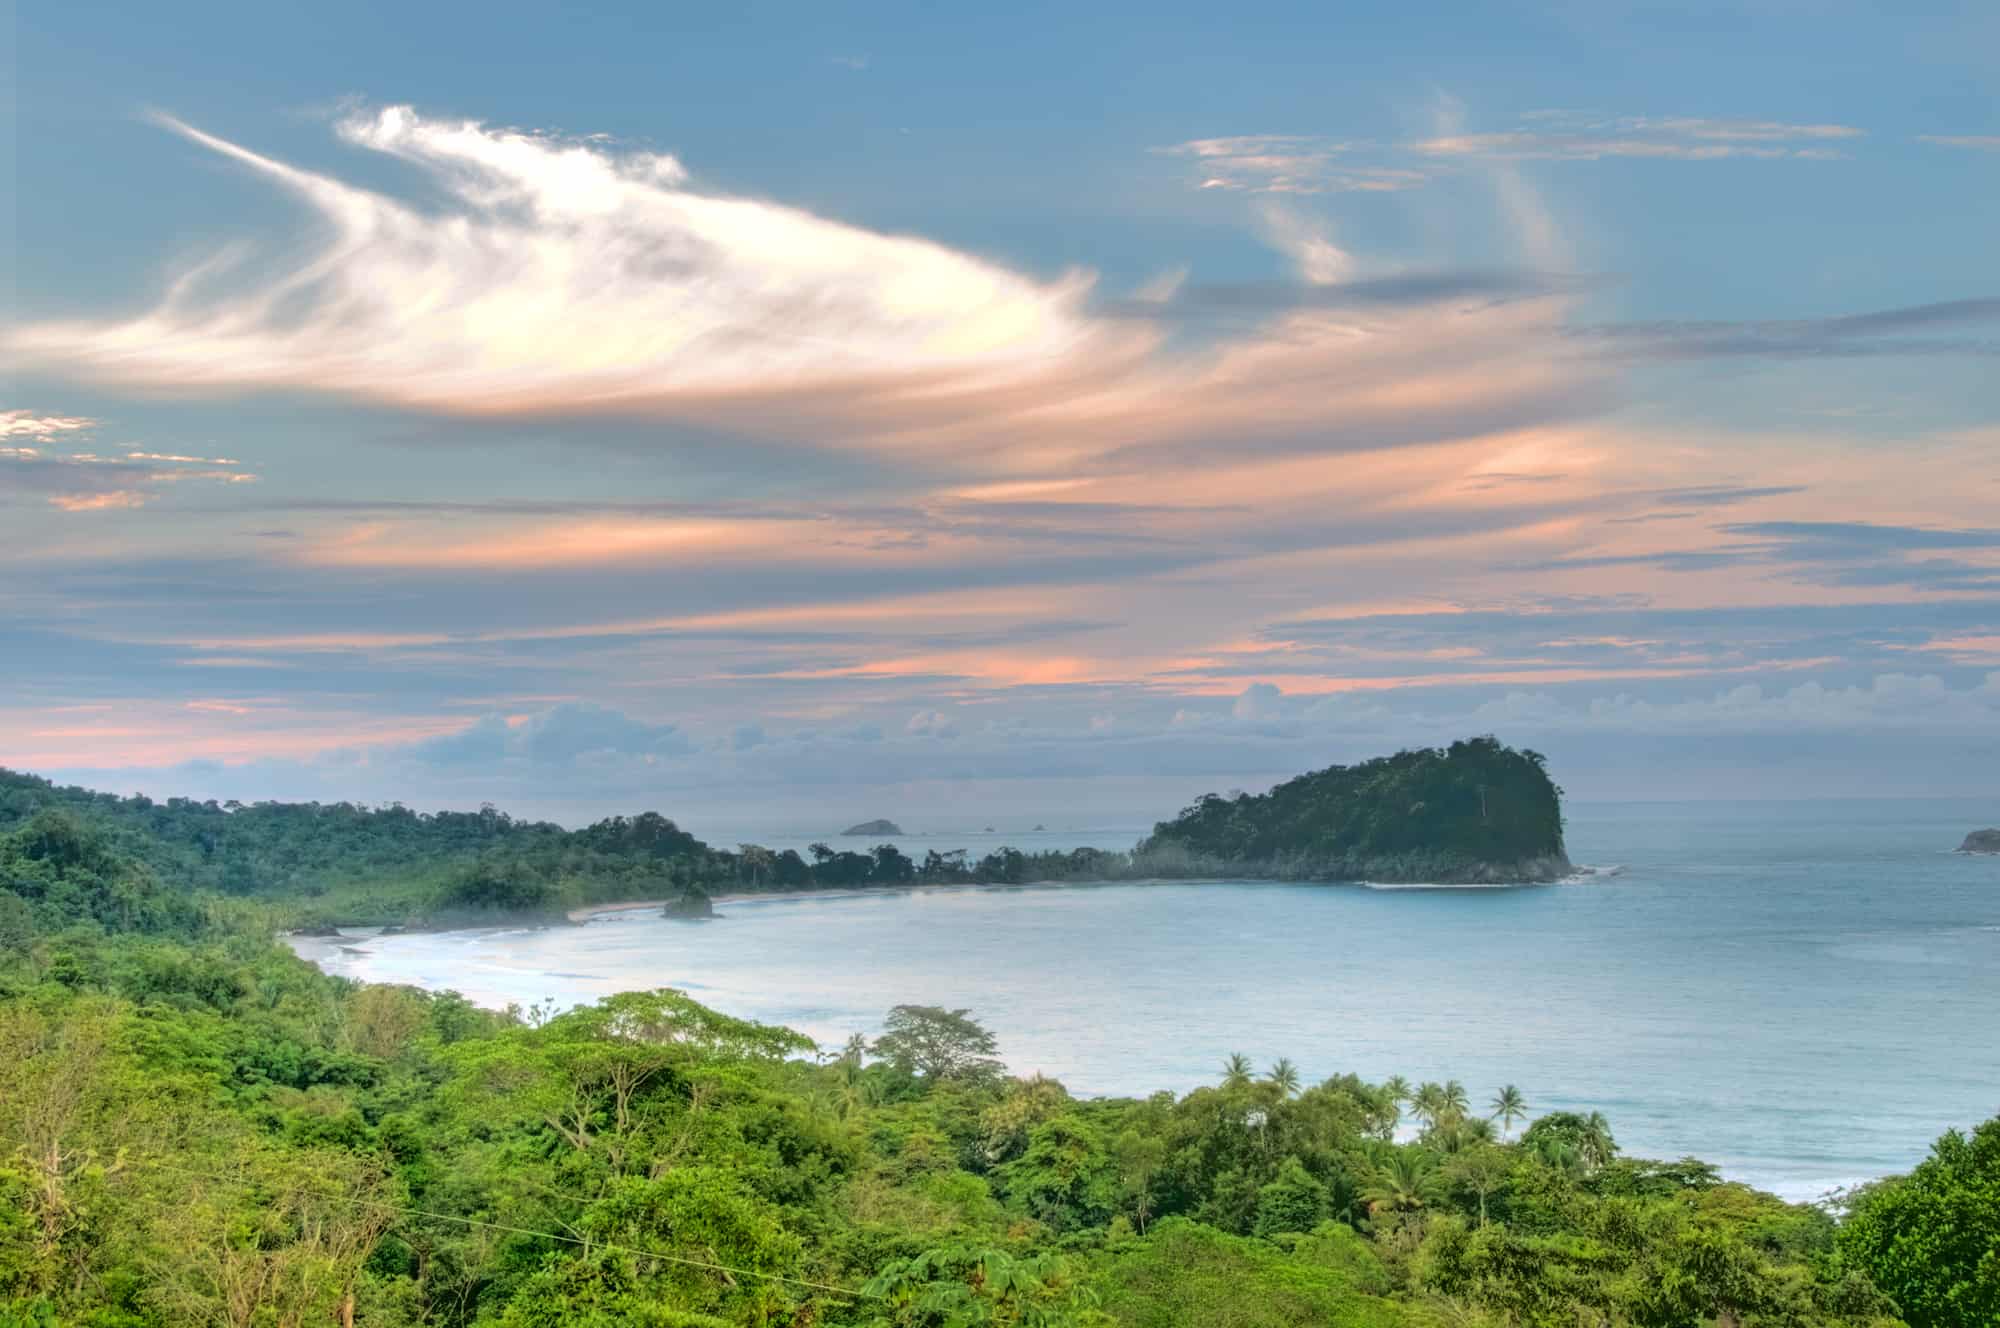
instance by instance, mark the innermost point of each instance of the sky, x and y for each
(785, 414)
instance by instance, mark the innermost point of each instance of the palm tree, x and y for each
(1236, 1070)
(1284, 1076)
(1509, 1106)
(1428, 1102)
(1382, 1114)
(1456, 1101)
(1596, 1145)
(1397, 1089)
(755, 863)
(1404, 1182)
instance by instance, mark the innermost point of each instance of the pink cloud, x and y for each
(110, 500)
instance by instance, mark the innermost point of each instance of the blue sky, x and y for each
(838, 411)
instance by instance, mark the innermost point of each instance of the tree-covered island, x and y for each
(1475, 812)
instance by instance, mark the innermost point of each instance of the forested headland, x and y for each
(196, 1127)
(1475, 811)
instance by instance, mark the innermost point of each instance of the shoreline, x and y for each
(586, 912)
(583, 913)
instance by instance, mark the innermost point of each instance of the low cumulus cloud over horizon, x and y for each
(485, 463)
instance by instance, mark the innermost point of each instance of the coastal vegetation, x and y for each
(196, 1127)
(1475, 811)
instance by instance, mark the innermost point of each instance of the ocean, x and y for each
(1804, 994)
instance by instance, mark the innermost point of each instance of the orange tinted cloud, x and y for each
(99, 502)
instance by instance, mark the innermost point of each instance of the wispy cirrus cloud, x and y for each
(563, 278)
(1976, 142)
(1571, 136)
(566, 275)
(1287, 164)
(1305, 164)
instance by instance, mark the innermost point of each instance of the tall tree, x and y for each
(1508, 1107)
(1480, 1169)
(1429, 1104)
(938, 1044)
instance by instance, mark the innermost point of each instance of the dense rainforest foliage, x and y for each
(197, 1128)
(1475, 810)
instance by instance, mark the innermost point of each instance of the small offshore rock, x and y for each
(1981, 841)
(690, 905)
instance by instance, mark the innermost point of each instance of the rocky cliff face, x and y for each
(1981, 841)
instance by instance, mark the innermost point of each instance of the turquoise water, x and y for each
(1803, 994)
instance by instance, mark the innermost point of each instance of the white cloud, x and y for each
(566, 273)
(563, 735)
(27, 424)
(1259, 702)
(931, 724)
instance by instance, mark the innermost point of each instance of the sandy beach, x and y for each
(589, 911)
